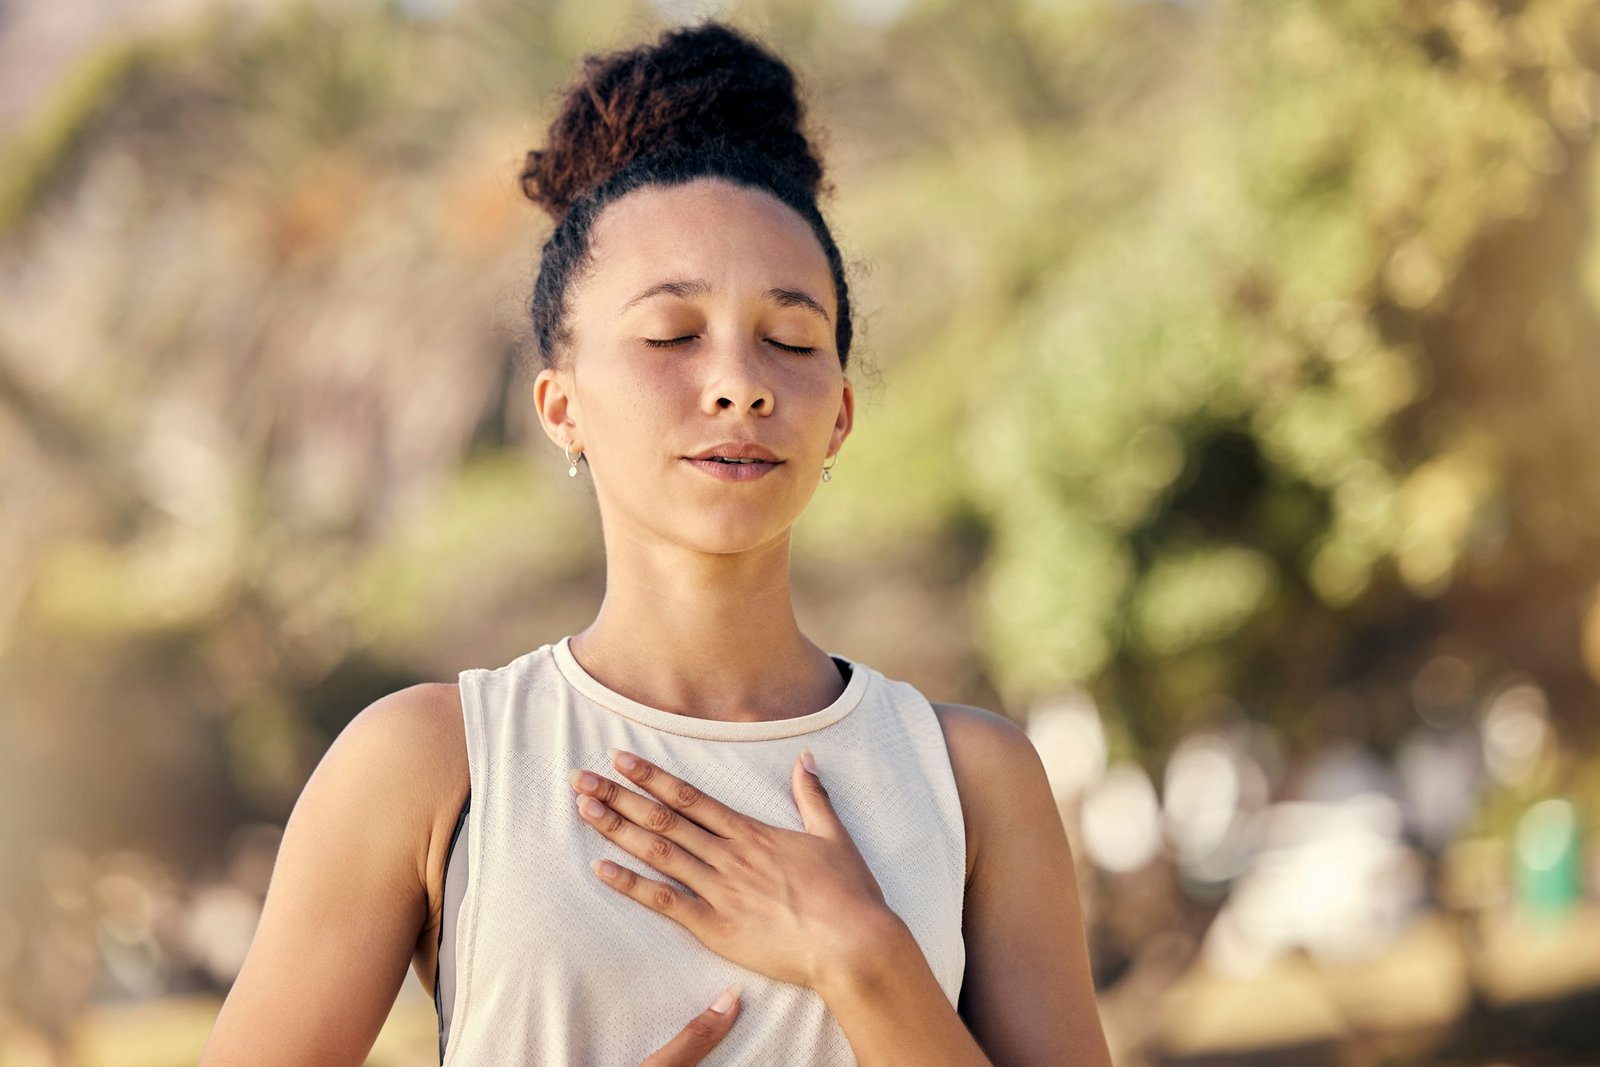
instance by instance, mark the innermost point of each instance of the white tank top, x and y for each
(542, 963)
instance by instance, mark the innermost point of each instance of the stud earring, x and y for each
(572, 471)
(825, 475)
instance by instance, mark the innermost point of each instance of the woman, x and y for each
(688, 796)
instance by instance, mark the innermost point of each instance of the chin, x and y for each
(730, 534)
(716, 525)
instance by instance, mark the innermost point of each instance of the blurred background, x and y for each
(1230, 418)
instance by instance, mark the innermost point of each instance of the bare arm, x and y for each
(348, 898)
(1028, 995)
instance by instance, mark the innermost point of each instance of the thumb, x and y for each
(701, 1035)
(816, 809)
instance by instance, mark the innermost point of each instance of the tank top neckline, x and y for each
(711, 729)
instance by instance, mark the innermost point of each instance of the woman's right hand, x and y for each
(701, 1035)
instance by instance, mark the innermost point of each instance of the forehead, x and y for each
(736, 237)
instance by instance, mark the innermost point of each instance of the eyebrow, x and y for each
(789, 298)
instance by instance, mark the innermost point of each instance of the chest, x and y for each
(592, 976)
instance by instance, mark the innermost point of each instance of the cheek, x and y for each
(630, 405)
(818, 394)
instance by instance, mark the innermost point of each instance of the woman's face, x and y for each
(707, 317)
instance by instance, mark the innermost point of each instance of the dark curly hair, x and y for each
(702, 102)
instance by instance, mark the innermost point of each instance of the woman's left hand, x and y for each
(793, 905)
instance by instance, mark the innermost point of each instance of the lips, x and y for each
(736, 451)
(733, 472)
(735, 461)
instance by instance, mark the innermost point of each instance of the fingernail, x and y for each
(806, 761)
(725, 999)
(591, 807)
(625, 761)
(604, 868)
(587, 782)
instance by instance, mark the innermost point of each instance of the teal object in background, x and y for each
(1549, 858)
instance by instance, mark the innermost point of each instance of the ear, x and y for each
(552, 396)
(847, 416)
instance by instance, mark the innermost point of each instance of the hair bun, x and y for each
(694, 87)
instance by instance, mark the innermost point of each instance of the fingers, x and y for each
(701, 1035)
(687, 909)
(662, 853)
(811, 798)
(645, 812)
(679, 795)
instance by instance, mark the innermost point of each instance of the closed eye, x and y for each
(671, 341)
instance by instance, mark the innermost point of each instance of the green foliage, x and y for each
(1315, 182)
(35, 155)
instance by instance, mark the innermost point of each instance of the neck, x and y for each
(711, 636)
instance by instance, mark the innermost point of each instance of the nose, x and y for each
(738, 381)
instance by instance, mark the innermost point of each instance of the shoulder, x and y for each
(415, 732)
(410, 746)
(994, 764)
(981, 734)
(428, 711)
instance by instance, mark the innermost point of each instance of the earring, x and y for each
(825, 475)
(572, 471)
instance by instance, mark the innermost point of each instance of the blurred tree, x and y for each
(1327, 369)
